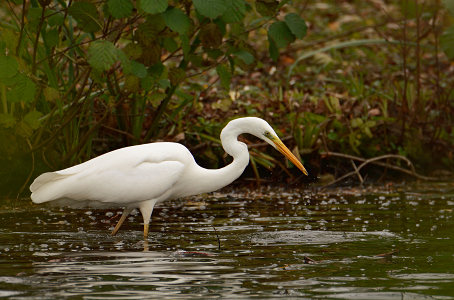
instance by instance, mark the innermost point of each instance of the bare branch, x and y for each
(376, 161)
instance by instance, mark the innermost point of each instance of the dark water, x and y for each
(354, 244)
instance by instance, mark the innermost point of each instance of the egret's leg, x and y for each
(126, 212)
(146, 208)
(145, 229)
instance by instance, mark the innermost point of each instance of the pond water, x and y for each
(348, 244)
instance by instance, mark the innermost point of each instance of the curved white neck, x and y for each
(210, 180)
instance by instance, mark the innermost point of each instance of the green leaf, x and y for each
(146, 83)
(245, 56)
(164, 83)
(156, 98)
(8, 66)
(221, 25)
(153, 6)
(33, 16)
(447, 42)
(9, 38)
(138, 69)
(7, 121)
(224, 75)
(86, 15)
(210, 36)
(33, 119)
(151, 55)
(212, 53)
(132, 83)
(210, 8)
(449, 4)
(125, 62)
(23, 129)
(356, 122)
(280, 34)
(51, 94)
(120, 8)
(148, 32)
(24, 90)
(156, 71)
(133, 51)
(176, 75)
(197, 60)
(296, 25)
(266, 8)
(51, 38)
(235, 12)
(56, 19)
(102, 55)
(223, 104)
(273, 50)
(170, 44)
(11, 81)
(177, 20)
(185, 45)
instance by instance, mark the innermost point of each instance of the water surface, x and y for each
(348, 244)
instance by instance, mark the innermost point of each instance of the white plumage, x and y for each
(140, 176)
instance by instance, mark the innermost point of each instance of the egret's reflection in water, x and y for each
(143, 274)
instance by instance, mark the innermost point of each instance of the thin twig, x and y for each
(375, 160)
(62, 52)
(357, 172)
(35, 45)
(27, 180)
(125, 133)
(22, 25)
(217, 236)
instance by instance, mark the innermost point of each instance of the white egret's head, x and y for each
(261, 129)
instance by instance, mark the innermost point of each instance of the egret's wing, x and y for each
(120, 177)
(120, 187)
(148, 180)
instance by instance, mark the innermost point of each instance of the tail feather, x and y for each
(42, 188)
(44, 179)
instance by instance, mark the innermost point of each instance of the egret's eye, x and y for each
(267, 134)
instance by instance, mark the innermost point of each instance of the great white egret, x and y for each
(143, 175)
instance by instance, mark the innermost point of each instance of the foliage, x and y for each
(359, 85)
(81, 77)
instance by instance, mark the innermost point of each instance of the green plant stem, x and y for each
(5, 104)
(32, 169)
(255, 170)
(162, 107)
(73, 115)
(68, 90)
(418, 58)
(22, 26)
(86, 137)
(35, 45)
(404, 110)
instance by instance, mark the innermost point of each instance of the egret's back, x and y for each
(118, 178)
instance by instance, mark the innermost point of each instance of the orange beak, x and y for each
(284, 150)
